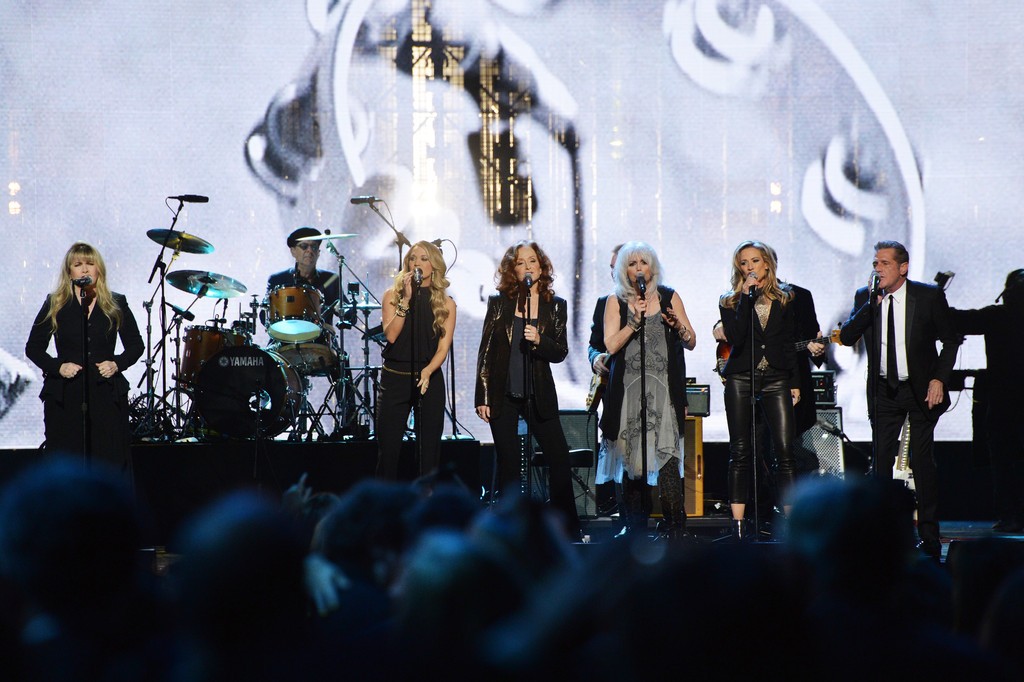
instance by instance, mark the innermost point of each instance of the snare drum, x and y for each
(245, 390)
(294, 313)
(201, 344)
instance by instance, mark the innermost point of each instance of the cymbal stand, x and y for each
(150, 412)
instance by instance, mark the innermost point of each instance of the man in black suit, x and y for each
(909, 374)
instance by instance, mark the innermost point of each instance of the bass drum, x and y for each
(248, 392)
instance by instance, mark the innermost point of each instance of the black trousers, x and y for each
(395, 398)
(550, 438)
(893, 408)
(771, 388)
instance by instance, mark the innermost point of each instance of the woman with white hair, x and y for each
(642, 305)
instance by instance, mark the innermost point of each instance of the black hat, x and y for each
(298, 234)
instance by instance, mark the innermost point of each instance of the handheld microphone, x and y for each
(417, 276)
(641, 284)
(528, 280)
(752, 291)
(82, 281)
(364, 200)
(191, 198)
(186, 314)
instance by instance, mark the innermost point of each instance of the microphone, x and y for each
(191, 198)
(437, 243)
(752, 291)
(82, 281)
(417, 276)
(186, 314)
(641, 284)
(829, 428)
(364, 200)
(527, 280)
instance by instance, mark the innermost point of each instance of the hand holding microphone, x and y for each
(750, 284)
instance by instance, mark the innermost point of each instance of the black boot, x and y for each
(631, 510)
(670, 490)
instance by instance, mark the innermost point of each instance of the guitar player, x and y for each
(599, 357)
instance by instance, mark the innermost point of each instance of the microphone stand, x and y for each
(400, 239)
(86, 377)
(876, 352)
(528, 390)
(645, 499)
(753, 415)
(414, 375)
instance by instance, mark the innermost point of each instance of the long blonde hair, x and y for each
(65, 290)
(438, 284)
(772, 289)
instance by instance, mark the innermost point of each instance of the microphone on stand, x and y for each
(641, 285)
(186, 314)
(417, 276)
(82, 281)
(364, 200)
(528, 281)
(191, 198)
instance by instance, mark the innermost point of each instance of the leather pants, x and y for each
(772, 388)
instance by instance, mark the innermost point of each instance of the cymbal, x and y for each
(324, 237)
(180, 241)
(202, 283)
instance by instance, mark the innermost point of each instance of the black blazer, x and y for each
(928, 320)
(777, 341)
(597, 346)
(807, 328)
(496, 344)
(102, 340)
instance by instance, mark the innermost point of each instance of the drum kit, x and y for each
(227, 385)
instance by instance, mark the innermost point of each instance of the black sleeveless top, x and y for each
(419, 321)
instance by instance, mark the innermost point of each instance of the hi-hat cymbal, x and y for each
(324, 237)
(202, 283)
(180, 241)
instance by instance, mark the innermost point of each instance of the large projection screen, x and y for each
(817, 126)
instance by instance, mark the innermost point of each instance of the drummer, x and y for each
(305, 272)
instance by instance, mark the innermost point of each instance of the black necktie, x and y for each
(891, 371)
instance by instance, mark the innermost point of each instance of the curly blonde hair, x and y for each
(438, 283)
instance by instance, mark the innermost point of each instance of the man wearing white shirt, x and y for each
(907, 370)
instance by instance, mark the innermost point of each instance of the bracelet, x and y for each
(688, 336)
(401, 310)
(633, 324)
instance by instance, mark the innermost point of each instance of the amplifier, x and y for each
(698, 397)
(824, 387)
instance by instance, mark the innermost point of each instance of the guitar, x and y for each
(725, 349)
(901, 470)
(598, 383)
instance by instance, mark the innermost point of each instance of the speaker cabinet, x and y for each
(693, 470)
(826, 445)
(580, 429)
